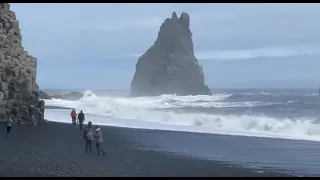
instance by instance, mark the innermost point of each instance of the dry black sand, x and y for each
(57, 149)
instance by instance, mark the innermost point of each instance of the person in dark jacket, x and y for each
(9, 123)
(99, 140)
(31, 112)
(89, 137)
(81, 119)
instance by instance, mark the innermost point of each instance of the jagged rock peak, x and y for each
(169, 65)
(185, 19)
(174, 16)
(175, 28)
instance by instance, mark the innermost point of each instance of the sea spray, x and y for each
(146, 111)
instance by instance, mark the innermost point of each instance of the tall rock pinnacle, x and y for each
(169, 65)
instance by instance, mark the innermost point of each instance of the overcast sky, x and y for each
(239, 45)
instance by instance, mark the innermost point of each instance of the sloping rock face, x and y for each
(43, 95)
(169, 66)
(18, 88)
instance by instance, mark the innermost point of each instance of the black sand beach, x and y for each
(57, 149)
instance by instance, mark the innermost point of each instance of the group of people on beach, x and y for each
(32, 114)
(89, 133)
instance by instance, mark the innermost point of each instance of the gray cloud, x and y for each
(133, 27)
(101, 33)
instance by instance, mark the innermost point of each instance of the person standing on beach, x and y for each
(88, 136)
(9, 126)
(99, 140)
(81, 119)
(74, 117)
(31, 115)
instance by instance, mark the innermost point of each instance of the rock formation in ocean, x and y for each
(18, 88)
(73, 96)
(170, 66)
(44, 95)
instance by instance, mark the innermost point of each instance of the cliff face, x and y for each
(18, 88)
(169, 66)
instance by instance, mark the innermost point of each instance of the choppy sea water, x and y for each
(273, 129)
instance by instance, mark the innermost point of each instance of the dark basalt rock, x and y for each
(169, 65)
(18, 87)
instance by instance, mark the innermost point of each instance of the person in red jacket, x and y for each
(74, 117)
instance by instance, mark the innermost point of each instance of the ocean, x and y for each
(262, 129)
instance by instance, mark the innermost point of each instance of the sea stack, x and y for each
(169, 66)
(18, 88)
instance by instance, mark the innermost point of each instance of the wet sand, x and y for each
(57, 149)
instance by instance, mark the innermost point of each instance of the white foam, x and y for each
(140, 113)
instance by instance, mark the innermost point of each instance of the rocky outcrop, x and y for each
(18, 88)
(43, 95)
(73, 96)
(170, 66)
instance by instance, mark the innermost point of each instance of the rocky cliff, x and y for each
(18, 88)
(170, 66)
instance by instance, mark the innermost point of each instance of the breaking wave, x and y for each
(149, 112)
